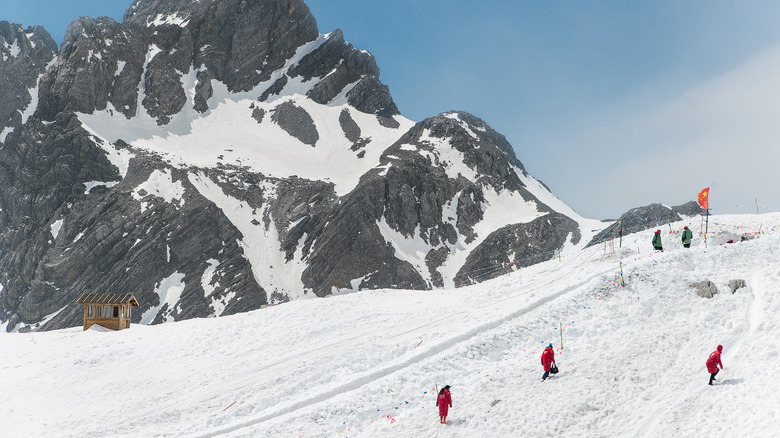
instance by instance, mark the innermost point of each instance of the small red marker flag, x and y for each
(704, 198)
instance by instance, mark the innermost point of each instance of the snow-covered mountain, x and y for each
(213, 157)
(631, 358)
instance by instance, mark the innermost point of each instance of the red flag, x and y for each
(704, 198)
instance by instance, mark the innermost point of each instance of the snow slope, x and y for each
(367, 364)
(229, 134)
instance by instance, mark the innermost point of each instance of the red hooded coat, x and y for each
(714, 360)
(444, 402)
(548, 358)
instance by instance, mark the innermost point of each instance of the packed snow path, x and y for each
(367, 364)
(423, 331)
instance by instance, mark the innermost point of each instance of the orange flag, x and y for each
(704, 198)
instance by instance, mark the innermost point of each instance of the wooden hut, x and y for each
(112, 311)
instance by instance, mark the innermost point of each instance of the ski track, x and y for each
(695, 389)
(415, 359)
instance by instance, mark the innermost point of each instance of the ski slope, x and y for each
(367, 364)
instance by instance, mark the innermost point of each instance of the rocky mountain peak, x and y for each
(262, 47)
(484, 150)
(214, 157)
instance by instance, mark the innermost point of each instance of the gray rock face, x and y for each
(348, 125)
(352, 131)
(645, 218)
(412, 197)
(236, 42)
(258, 114)
(339, 65)
(144, 12)
(240, 42)
(518, 246)
(24, 56)
(108, 240)
(704, 289)
(79, 213)
(689, 209)
(297, 122)
(89, 73)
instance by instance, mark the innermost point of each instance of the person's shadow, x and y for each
(732, 381)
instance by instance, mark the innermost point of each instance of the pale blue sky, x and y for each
(613, 104)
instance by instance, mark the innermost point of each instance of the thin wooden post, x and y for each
(561, 336)
(622, 279)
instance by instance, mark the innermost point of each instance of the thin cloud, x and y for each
(723, 133)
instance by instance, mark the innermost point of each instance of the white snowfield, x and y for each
(228, 134)
(367, 364)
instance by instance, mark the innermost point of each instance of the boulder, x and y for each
(704, 289)
(736, 284)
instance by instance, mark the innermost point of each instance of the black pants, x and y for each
(659, 248)
(687, 245)
(545, 375)
(712, 376)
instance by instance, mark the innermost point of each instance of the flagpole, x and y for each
(707, 224)
(704, 202)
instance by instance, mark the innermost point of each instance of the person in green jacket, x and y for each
(687, 236)
(657, 241)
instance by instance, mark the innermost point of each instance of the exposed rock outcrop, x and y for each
(735, 285)
(644, 218)
(24, 57)
(704, 289)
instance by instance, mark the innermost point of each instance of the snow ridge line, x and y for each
(388, 370)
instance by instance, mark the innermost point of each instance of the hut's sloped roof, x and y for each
(107, 299)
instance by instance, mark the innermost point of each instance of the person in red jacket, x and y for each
(713, 361)
(548, 358)
(444, 402)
